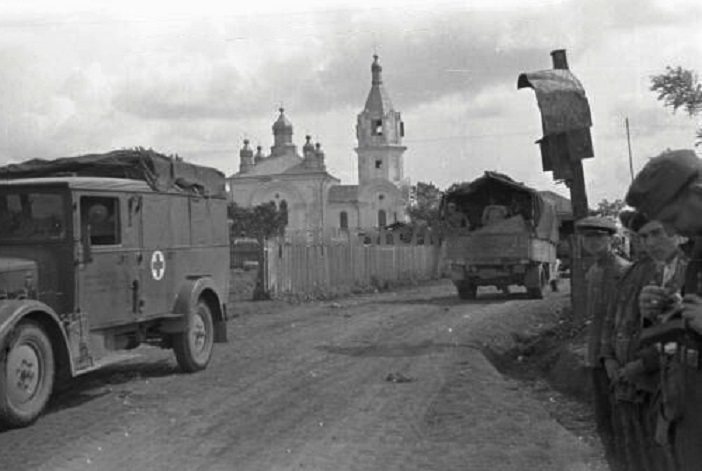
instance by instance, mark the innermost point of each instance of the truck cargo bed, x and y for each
(498, 249)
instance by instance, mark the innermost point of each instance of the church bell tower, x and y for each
(379, 130)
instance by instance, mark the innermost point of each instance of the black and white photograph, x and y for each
(351, 235)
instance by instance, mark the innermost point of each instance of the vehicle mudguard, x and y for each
(191, 291)
(12, 311)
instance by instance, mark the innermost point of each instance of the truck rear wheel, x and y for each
(466, 289)
(27, 375)
(193, 348)
(538, 292)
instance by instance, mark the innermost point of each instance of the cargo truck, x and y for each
(498, 232)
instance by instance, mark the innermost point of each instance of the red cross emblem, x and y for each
(158, 265)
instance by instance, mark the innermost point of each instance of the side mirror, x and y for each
(85, 244)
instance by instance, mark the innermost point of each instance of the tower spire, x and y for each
(376, 71)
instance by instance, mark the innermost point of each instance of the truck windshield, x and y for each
(32, 216)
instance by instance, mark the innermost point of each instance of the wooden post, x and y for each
(578, 201)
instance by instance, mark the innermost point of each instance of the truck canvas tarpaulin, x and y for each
(162, 173)
(471, 199)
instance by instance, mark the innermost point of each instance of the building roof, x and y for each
(343, 193)
(300, 169)
(378, 101)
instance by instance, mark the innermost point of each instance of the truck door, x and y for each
(158, 269)
(108, 281)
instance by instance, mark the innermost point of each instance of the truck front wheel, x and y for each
(27, 374)
(193, 348)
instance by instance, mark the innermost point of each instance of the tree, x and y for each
(424, 210)
(259, 222)
(679, 88)
(609, 209)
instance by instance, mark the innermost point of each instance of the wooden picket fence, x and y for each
(313, 263)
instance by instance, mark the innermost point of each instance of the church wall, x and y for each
(334, 211)
(240, 192)
(392, 164)
(370, 202)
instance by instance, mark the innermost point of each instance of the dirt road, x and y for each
(391, 381)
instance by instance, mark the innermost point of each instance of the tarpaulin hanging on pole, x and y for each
(565, 119)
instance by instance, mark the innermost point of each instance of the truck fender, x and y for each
(188, 295)
(14, 310)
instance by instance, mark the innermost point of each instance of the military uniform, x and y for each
(601, 278)
(635, 403)
(680, 420)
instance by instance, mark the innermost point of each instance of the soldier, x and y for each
(669, 189)
(601, 278)
(633, 369)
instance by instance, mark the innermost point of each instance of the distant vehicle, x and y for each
(499, 233)
(131, 248)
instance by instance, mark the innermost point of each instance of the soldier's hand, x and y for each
(692, 312)
(612, 368)
(631, 370)
(652, 300)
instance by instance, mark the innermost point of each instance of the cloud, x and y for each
(195, 79)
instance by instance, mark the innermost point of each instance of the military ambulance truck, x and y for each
(102, 253)
(500, 233)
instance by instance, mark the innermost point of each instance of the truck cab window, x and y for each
(101, 215)
(32, 216)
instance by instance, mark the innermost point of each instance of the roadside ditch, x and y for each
(549, 364)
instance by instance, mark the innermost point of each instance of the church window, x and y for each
(377, 127)
(402, 129)
(344, 220)
(378, 164)
(283, 208)
(381, 197)
(382, 218)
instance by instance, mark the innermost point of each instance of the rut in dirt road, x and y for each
(393, 381)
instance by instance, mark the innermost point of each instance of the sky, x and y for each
(197, 78)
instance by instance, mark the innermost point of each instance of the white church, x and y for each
(314, 198)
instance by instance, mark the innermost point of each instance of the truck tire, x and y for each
(538, 292)
(27, 371)
(466, 290)
(193, 348)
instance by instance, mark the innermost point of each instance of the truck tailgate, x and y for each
(488, 247)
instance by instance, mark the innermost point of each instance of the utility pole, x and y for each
(628, 143)
(566, 122)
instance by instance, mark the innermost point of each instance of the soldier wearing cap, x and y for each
(669, 189)
(601, 278)
(633, 368)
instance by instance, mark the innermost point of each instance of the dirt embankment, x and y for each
(549, 362)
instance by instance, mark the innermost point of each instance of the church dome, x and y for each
(282, 125)
(308, 147)
(246, 150)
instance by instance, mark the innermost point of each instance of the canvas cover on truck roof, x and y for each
(162, 173)
(475, 195)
